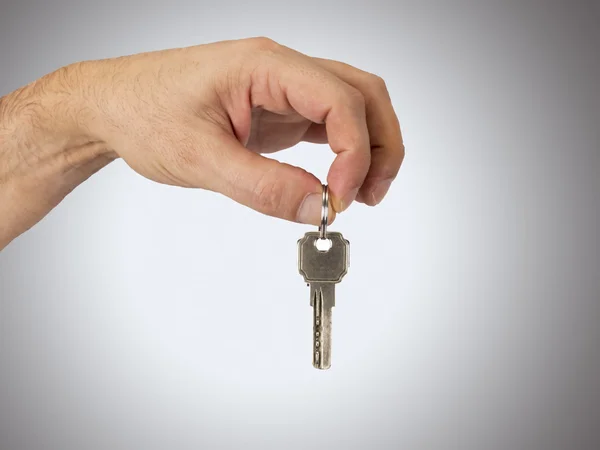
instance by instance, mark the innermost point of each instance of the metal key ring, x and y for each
(324, 213)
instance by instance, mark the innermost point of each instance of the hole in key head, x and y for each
(323, 245)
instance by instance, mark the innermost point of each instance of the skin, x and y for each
(199, 117)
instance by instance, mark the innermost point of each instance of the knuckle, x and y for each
(265, 44)
(390, 173)
(355, 98)
(377, 86)
(390, 162)
(269, 193)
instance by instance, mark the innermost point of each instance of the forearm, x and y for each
(45, 151)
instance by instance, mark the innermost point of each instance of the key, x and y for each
(322, 269)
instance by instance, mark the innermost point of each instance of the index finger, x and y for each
(387, 148)
(286, 80)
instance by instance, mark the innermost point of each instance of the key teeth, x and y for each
(317, 327)
(321, 329)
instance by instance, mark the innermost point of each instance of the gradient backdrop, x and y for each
(140, 316)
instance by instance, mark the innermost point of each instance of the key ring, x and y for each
(324, 213)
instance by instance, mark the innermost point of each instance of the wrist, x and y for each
(47, 117)
(45, 149)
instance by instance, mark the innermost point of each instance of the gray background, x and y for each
(140, 316)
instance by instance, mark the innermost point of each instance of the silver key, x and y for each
(321, 271)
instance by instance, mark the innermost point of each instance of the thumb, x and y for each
(266, 185)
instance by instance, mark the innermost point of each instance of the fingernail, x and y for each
(348, 199)
(310, 209)
(379, 192)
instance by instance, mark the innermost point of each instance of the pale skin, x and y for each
(200, 117)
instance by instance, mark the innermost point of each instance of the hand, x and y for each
(201, 117)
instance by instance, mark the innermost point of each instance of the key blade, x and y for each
(325, 291)
(322, 300)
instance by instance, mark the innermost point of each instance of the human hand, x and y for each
(201, 117)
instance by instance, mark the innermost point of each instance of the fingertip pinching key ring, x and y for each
(324, 213)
